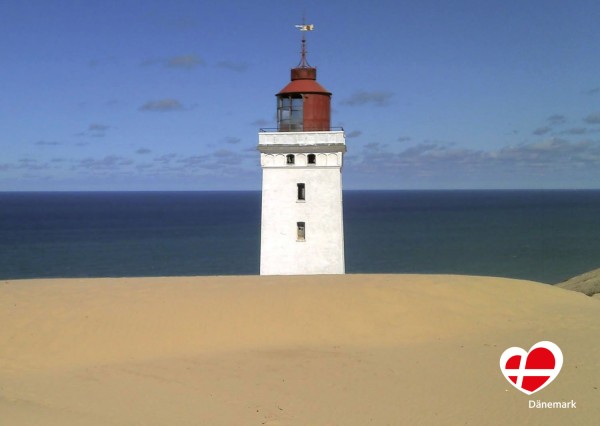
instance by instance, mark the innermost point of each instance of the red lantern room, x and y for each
(303, 105)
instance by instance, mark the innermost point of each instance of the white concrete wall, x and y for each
(322, 251)
(303, 138)
(279, 160)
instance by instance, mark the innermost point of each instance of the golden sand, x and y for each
(319, 350)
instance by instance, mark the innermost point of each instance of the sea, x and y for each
(545, 236)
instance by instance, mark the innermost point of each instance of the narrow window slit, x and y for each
(301, 231)
(301, 192)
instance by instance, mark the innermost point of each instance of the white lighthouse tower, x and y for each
(302, 229)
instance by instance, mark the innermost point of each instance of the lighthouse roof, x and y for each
(304, 80)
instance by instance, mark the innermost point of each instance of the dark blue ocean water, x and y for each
(545, 236)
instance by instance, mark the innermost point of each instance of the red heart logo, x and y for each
(534, 370)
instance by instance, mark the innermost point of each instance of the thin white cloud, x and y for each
(194, 160)
(162, 105)
(186, 62)
(109, 162)
(226, 156)
(97, 127)
(232, 140)
(26, 164)
(166, 158)
(542, 130)
(434, 159)
(377, 98)
(47, 143)
(556, 119)
(575, 131)
(552, 122)
(353, 134)
(593, 118)
(375, 146)
(97, 130)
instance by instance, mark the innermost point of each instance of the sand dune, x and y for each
(588, 283)
(320, 350)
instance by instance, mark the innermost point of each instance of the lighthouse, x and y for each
(302, 230)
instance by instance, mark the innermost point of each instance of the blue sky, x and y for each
(169, 95)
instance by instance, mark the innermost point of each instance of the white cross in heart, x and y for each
(534, 370)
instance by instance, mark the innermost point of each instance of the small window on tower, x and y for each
(289, 159)
(301, 233)
(312, 159)
(301, 192)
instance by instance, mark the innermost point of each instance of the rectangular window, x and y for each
(301, 192)
(301, 231)
(290, 115)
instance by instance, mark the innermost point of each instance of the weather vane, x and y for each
(303, 28)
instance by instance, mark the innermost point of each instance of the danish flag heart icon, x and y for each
(534, 370)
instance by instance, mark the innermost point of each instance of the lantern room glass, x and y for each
(290, 114)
